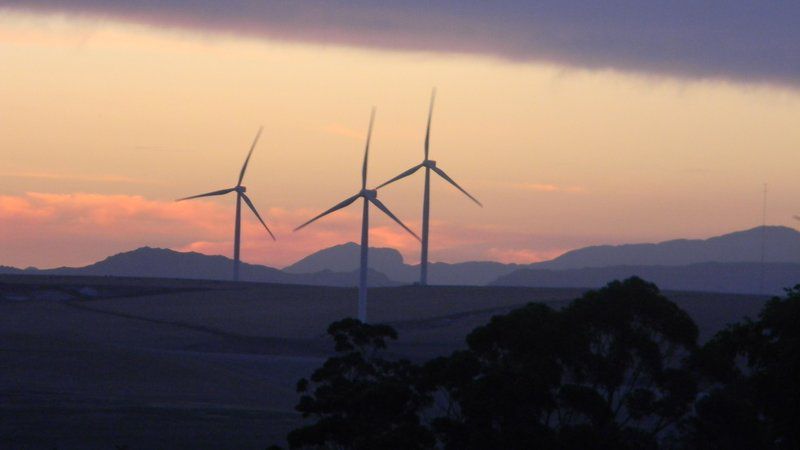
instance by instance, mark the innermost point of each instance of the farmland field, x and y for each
(149, 363)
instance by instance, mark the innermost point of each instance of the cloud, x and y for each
(78, 177)
(534, 187)
(741, 40)
(544, 187)
(342, 131)
(523, 256)
(48, 230)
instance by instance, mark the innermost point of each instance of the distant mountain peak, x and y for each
(782, 245)
(338, 265)
(346, 258)
(770, 230)
(153, 262)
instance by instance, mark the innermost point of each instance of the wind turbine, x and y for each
(429, 166)
(369, 196)
(240, 195)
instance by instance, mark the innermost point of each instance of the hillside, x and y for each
(155, 363)
(347, 258)
(782, 245)
(149, 262)
(703, 277)
(390, 262)
(736, 254)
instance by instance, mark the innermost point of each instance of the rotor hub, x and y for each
(369, 193)
(429, 163)
(241, 189)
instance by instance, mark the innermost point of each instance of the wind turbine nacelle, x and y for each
(429, 163)
(241, 189)
(369, 193)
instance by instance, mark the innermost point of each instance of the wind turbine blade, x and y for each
(208, 194)
(250, 153)
(408, 172)
(428, 129)
(386, 211)
(451, 181)
(366, 151)
(253, 208)
(335, 208)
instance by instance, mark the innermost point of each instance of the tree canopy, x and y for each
(618, 368)
(359, 400)
(753, 369)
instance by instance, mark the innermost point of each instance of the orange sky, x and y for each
(104, 124)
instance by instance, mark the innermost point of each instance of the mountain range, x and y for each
(732, 277)
(165, 263)
(727, 263)
(390, 262)
(780, 245)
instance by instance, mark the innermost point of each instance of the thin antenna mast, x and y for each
(763, 238)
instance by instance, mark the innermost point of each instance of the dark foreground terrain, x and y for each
(149, 363)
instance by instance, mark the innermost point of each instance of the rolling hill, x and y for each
(155, 363)
(731, 252)
(740, 278)
(727, 263)
(164, 263)
(390, 262)
(782, 245)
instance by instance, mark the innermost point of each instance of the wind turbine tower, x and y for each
(430, 166)
(240, 196)
(369, 196)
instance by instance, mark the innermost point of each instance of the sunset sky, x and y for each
(573, 125)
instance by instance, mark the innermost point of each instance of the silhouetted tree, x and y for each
(755, 366)
(359, 400)
(618, 368)
(634, 355)
(502, 391)
(607, 372)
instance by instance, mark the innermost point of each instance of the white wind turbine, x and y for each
(429, 166)
(369, 196)
(240, 195)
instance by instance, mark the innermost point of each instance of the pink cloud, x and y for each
(47, 230)
(546, 187)
(78, 177)
(521, 256)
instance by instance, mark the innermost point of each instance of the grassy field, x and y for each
(150, 363)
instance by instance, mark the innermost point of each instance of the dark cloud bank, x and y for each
(750, 41)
